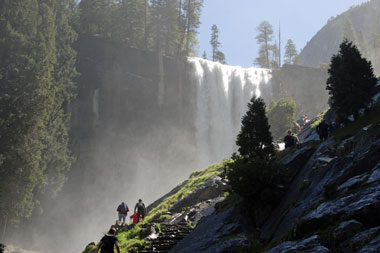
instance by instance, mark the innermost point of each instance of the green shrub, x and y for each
(281, 116)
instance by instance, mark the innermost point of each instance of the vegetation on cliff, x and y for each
(351, 81)
(36, 72)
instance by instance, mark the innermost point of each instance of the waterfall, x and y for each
(222, 95)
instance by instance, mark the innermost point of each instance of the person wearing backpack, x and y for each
(141, 210)
(122, 210)
(108, 242)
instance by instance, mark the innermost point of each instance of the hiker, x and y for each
(134, 218)
(141, 210)
(290, 140)
(108, 242)
(323, 130)
(122, 210)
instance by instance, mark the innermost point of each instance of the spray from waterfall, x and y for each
(222, 95)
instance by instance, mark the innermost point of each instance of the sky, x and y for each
(237, 21)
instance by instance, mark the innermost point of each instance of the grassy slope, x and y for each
(130, 240)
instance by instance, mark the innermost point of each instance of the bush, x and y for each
(249, 177)
(281, 116)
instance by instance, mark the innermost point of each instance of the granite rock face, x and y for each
(340, 203)
(222, 232)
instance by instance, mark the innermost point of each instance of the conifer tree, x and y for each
(36, 71)
(254, 138)
(215, 44)
(129, 22)
(217, 55)
(192, 13)
(351, 81)
(264, 39)
(290, 52)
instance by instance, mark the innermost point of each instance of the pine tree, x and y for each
(129, 23)
(192, 13)
(164, 26)
(290, 52)
(275, 55)
(254, 138)
(220, 57)
(217, 55)
(264, 39)
(36, 71)
(215, 44)
(351, 81)
(96, 17)
(204, 56)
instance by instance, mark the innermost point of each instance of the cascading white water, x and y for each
(223, 93)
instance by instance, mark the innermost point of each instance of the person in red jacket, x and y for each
(134, 218)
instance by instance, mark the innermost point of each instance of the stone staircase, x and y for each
(170, 235)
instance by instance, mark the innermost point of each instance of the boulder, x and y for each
(372, 246)
(363, 206)
(346, 230)
(363, 238)
(309, 245)
(212, 188)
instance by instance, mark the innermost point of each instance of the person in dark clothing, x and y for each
(290, 140)
(122, 210)
(141, 210)
(108, 242)
(323, 130)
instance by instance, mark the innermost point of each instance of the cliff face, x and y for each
(325, 43)
(307, 86)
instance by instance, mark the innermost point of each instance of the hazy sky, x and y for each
(237, 21)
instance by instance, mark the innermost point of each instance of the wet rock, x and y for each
(345, 147)
(148, 231)
(310, 245)
(195, 214)
(363, 206)
(297, 160)
(363, 238)
(346, 230)
(372, 246)
(222, 232)
(212, 188)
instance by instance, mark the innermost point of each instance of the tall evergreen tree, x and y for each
(215, 44)
(129, 22)
(36, 71)
(217, 55)
(264, 39)
(351, 81)
(164, 25)
(254, 138)
(290, 52)
(192, 13)
(96, 17)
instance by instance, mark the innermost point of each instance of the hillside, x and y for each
(330, 202)
(364, 18)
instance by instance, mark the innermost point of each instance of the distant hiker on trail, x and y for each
(141, 210)
(122, 210)
(134, 218)
(107, 243)
(290, 140)
(323, 130)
